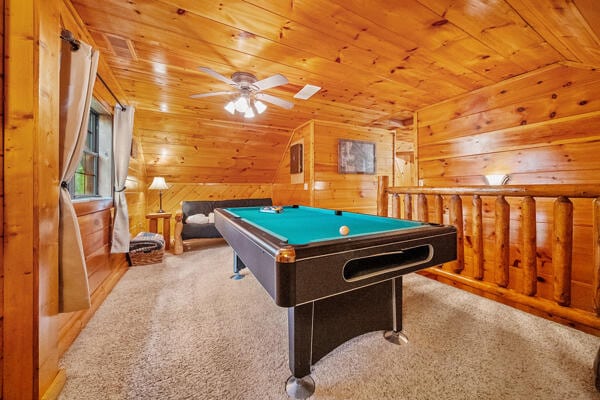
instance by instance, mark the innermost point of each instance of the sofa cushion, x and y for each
(197, 219)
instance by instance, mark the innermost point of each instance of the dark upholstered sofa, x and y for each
(185, 230)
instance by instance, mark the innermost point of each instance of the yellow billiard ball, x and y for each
(344, 230)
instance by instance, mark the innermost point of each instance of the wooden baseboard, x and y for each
(56, 386)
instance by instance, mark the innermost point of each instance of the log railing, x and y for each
(556, 305)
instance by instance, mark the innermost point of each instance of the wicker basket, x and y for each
(146, 248)
(145, 258)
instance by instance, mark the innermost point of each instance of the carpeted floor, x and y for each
(183, 330)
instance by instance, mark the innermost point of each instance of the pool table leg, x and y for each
(396, 335)
(238, 265)
(300, 325)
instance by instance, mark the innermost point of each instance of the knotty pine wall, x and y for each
(284, 191)
(351, 192)
(30, 197)
(539, 128)
(135, 191)
(323, 186)
(1, 199)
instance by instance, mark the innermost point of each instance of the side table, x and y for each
(166, 227)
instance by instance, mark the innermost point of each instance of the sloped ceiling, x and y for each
(377, 61)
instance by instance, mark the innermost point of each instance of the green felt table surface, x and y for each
(303, 225)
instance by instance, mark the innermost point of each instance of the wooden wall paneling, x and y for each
(47, 181)
(104, 269)
(570, 99)
(596, 254)
(2, 31)
(570, 130)
(135, 191)
(31, 155)
(355, 197)
(515, 90)
(578, 156)
(71, 324)
(556, 144)
(405, 172)
(284, 191)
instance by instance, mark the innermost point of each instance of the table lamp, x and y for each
(159, 184)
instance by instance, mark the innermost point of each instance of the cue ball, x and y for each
(344, 230)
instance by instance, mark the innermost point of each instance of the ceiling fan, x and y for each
(249, 90)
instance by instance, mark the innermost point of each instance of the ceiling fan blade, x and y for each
(274, 100)
(272, 81)
(217, 75)
(199, 95)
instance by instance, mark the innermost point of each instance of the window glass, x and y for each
(93, 177)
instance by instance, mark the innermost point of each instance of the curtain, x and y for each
(77, 77)
(122, 133)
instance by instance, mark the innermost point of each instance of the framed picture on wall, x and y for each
(356, 157)
(296, 158)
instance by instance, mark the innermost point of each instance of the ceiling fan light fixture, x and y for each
(249, 113)
(241, 104)
(230, 107)
(260, 106)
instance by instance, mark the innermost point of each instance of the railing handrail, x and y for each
(566, 190)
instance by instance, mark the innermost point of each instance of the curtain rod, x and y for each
(75, 44)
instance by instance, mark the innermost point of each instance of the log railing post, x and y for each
(382, 195)
(502, 242)
(562, 249)
(477, 238)
(396, 206)
(529, 245)
(407, 206)
(456, 219)
(422, 210)
(438, 209)
(596, 250)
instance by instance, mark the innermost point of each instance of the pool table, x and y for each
(336, 286)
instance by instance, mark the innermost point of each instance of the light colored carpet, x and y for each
(184, 330)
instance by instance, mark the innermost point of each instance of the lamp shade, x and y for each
(496, 179)
(158, 184)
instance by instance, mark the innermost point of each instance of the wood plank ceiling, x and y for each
(377, 62)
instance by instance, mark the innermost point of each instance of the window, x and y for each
(93, 177)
